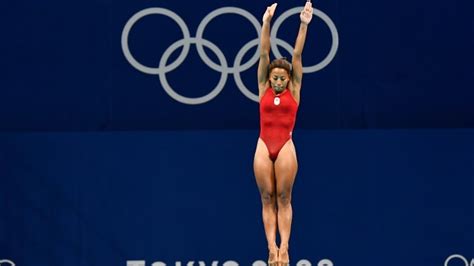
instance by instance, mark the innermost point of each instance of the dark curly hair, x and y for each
(280, 63)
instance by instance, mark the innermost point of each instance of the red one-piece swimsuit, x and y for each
(277, 119)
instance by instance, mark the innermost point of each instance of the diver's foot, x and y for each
(283, 256)
(272, 256)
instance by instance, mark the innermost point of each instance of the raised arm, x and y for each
(297, 73)
(265, 50)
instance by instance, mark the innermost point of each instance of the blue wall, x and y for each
(362, 198)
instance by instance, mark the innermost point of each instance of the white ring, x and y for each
(446, 262)
(138, 16)
(186, 100)
(212, 15)
(326, 19)
(237, 78)
(7, 261)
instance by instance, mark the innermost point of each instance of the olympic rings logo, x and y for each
(459, 257)
(223, 66)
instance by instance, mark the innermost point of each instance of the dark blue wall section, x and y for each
(399, 64)
(362, 198)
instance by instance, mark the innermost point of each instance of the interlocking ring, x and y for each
(223, 67)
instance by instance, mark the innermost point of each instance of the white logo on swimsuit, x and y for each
(223, 67)
(276, 101)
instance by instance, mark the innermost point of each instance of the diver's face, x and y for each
(279, 79)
